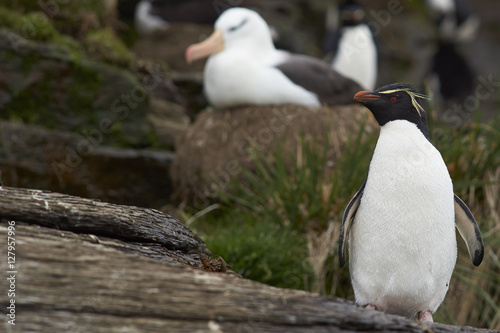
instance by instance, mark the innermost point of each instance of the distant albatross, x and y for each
(244, 67)
(146, 21)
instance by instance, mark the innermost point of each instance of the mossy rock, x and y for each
(96, 42)
(67, 15)
(43, 83)
(104, 45)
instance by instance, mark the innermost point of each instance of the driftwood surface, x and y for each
(131, 229)
(76, 282)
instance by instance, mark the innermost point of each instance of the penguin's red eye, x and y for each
(393, 99)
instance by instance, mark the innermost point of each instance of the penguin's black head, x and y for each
(351, 14)
(395, 101)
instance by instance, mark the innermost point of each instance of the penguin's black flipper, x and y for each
(347, 219)
(468, 229)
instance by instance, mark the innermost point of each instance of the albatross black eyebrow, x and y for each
(236, 27)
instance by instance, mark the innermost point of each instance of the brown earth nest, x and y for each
(209, 154)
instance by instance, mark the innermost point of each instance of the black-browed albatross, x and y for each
(244, 67)
(145, 20)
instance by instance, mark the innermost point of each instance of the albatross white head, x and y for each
(236, 29)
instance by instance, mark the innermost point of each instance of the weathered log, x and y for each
(126, 223)
(66, 284)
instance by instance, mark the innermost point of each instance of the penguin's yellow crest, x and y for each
(413, 95)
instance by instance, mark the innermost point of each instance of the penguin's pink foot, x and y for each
(370, 307)
(425, 316)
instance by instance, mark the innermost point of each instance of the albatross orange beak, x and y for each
(213, 44)
(365, 96)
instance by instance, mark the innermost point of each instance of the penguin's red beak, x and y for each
(365, 96)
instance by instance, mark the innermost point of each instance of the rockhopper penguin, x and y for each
(401, 222)
(355, 52)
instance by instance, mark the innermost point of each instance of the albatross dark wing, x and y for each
(318, 77)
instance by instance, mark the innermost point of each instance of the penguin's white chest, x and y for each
(402, 244)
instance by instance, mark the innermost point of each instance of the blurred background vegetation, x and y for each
(63, 64)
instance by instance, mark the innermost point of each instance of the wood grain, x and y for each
(127, 223)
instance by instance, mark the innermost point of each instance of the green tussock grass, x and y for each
(472, 154)
(280, 224)
(299, 190)
(260, 250)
